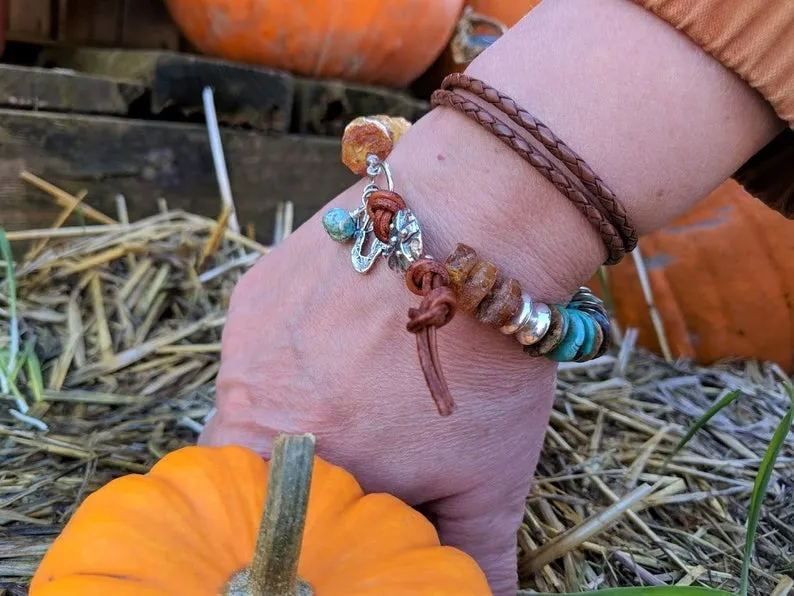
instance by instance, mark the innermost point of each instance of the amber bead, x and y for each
(459, 264)
(502, 304)
(477, 286)
(367, 135)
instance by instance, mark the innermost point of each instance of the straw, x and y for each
(125, 319)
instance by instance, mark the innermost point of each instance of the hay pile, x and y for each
(118, 328)
(607, 512)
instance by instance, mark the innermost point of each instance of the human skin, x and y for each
(312, 346)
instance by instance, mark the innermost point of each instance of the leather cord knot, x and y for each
(382, 205)
(430, 279)
(436, 310)
(424, 275)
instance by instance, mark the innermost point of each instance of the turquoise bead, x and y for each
(339, 225)
(589, 336)
(573, 338)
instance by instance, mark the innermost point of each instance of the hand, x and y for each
(312, 346)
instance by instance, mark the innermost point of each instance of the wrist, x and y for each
(662, 128)
(466, 186)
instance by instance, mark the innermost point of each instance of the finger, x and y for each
(483, 525)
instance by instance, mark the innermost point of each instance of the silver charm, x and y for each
(364, 257)
(405, 245)
(363, 261)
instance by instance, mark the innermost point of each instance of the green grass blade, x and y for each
(12, 375)
(35, 379)
(609, 303)
(759, 489)
(14, 391)
(20, 362)
(646, 591)
(8, 257)
(726, 400)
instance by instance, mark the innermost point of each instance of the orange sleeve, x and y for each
(755, 39)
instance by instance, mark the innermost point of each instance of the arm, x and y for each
(661, 121)
(312, 346)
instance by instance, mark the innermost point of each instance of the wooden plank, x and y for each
(58, 90)
(92, 22)
(258, 97)
(144, 160)
(325, 107)
(138, 24)
(148, 25)
(29, 20)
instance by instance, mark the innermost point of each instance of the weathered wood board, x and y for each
(58, 90)
(258, 97)
(144, 24)
(29, 20)
(325, 107)
(145, 160)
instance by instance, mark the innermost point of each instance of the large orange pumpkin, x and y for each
(390, 42)
(189, 526)
(722, 277)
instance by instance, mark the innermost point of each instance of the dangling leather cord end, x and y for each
(430, 279)
(427, 278)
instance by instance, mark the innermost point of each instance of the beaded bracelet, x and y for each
(383, 225)
(576, 332)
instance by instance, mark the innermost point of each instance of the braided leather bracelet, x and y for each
(587, 191)
(578, 331)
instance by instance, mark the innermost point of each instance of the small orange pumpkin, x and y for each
(189, 526)
(722, 278)
(390, 42)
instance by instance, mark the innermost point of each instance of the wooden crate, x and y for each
(130, 121)
(135, 24)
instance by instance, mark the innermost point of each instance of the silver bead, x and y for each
(536, 327)
(521, 318)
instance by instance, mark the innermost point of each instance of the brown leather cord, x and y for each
(381, 208)
(575, 164)
(612, 239)
(430, 279)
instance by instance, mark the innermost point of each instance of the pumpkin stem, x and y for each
(274, 569)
